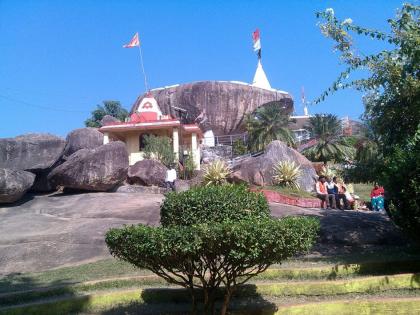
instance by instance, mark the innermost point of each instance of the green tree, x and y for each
(112, 108)
(159, 148)
(266, 124)
(211, 240)
(330, 145)
(239, 148)
(393, 105)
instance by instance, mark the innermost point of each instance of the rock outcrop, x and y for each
(31, 152)
(218, 105)
(14, 184)
(83, 138)
(259, 170)
(148, 173)
(220, 152)
(99, 169)
(181, 185)
(109, 120)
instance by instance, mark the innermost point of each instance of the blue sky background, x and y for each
(58, 59)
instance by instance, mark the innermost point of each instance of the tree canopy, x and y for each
(112, 108)
(392, 87)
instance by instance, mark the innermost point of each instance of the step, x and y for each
(133, 299)
(174, 295)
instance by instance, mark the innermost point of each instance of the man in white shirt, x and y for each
(170, 177)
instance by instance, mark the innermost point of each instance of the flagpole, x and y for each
(142, 68)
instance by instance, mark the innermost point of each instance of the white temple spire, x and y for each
(260, 79)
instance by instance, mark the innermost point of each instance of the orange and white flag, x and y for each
(134, 42)
(256, 40)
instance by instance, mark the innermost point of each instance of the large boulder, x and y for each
(220, 152)
(99, 169)
(148, 173)
(181, 185)
(14, 184)
(217, 105)
(83, 138)
(109, 120)
(31, 152)
(259, 170)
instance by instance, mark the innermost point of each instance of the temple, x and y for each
(149, 120)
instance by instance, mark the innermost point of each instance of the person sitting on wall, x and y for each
(321, 192)
(339, 192)
(170, 177)
(332, 191)
(377, 198)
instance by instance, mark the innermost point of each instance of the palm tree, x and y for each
(266, 124)
(330, 145)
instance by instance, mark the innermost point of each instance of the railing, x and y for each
(239, 159)
(230, 139)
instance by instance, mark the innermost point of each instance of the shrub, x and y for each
(212, 203)
(188, 167)
(159, 148)
(327, 172)
(286, 173)
(239, 148)
(210, 236)
(216, 173)
(402, 188)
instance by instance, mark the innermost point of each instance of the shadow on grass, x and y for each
(178, 301)
(16, 290)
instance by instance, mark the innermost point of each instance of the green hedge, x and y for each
(212, 204)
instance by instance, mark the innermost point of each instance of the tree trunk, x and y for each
(205, 301)
(226, 301)
(193, 303)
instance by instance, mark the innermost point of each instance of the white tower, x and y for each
(305, 111)
(260, 79)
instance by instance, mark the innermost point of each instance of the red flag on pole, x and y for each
(135, 42)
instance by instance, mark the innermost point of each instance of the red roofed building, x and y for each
(149, 120)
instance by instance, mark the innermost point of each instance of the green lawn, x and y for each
(363, 191)
(291, 192)
(114, 287)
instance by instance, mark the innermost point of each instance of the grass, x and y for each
(109, 268)
(290, 191)
(101, 301)
(392, 259)
(113, 287)
(271, 278)
(363, 191)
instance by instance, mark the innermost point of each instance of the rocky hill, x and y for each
(218, 105)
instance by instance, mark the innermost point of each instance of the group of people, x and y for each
(334, 194)
(331, 193)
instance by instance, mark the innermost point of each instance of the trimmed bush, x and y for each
(212, 236)
(212, 204)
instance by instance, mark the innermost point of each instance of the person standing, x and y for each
(170, 177)
(377, 198)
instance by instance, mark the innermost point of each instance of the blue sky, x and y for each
(58, 59)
